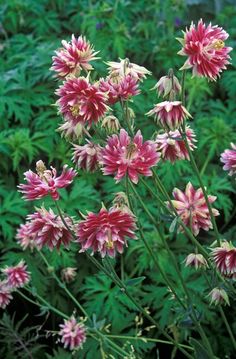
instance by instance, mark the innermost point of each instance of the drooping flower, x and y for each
(121, 203)
(68, 274)
(73, 334)
(73, 57)
(81, 102)
(124, 67)
(169, 114)
(123, 155)
(5, 294)
(195, 260)
(206, 51)
(120, 89)
(111, 124)
(86, 156)
(17, 276)
(224, 258)
(48, 229)
(24, 237)
(192, 208)
(172, 147)
(45, 182)
(166, 84)
(218, 296)
(71, 129)
(228, 157)
(106, 231)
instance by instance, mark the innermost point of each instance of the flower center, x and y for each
(218, 44)
(109, 243)
(75, 110)
(131, 151)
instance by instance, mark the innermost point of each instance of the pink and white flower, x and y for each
(172, 147)
(81, 102)
(106, 231)
(219, 296)
(192, 208)
(195, 260)
(124, 67)
(224, 258)
(68, 274)
(45, 182)
(48, 229)
(169, 114)
(5, 294)
(166, 85)
(123, 155)
(24, 237)
(228, 157)
(73, 57)
(206, 51)
(17, 276)
(73, 334)
(86, 157)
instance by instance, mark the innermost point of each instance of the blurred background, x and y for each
(143, 31)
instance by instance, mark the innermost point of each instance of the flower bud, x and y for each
(68, 274)
(195, 260)
(111, 124)
(166, 85)
(219, 296)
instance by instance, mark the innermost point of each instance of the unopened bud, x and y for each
(219, 296)
(68, 274)
(111, 123)
(195, 260)
(167, 85)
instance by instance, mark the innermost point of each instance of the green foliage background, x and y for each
(145, 32)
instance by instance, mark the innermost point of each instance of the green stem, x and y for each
(228, 327)
(126, 337)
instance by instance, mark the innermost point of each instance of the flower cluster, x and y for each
(106, 231)
(192, 208)
(15, 277)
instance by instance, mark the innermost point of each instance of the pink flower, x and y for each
(25, 237)
(106, 231)
(73, 334)
(124, 67)
(73, 57)
(86, 156)
(228, 157)
(224, 258)
(171, 146)
(192, 208)
(45, 182)
(219, 296)
(48, 229)
(80, 101)
(71, 129)
(17, 276)
(206, 50)
(169, 114)
(5, 294)
(122, 156)
(166, 85)
(195, 260)
(118, 90)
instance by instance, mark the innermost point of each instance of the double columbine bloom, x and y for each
(192, 208)
(73, 333)
(45, 182)
(87, 156)
(106, 231)
(206, 51)
(228, 157)
(224, 258)
(125, 156)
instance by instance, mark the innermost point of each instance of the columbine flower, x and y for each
(86, 156)
(45, 182)
(25, 237)
(192, 208)
(111, 124)
(224, 258)
(106, 231)
(17, 276)
(122, 156)
(73, 334)
(228, 157)
(169, 114)
(48, 229)
(68, 274)
(195, 260)
(71, 129)
(73, 57)
(218, 296)
(171, 146)
(121, 89)
(80, 101)
(206, 50)
(5, 294)
(121, 203)
(166, 84)
(124, 67)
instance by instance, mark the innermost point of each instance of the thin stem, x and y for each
(228, 327)
(144, 339)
